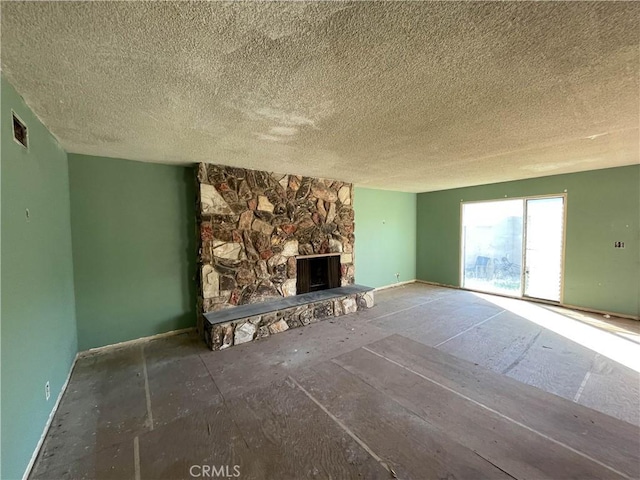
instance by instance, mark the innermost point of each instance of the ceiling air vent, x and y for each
(19, 130)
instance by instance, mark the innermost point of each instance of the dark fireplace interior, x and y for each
(317, 273)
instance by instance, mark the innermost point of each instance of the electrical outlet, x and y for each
(618, 244)
(47, 391)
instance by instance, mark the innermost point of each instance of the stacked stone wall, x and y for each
(254, 224)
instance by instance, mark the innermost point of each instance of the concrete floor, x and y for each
(430, 383)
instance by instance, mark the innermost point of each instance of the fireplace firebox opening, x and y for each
(317, 273)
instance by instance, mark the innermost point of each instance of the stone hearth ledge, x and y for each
(246, 323)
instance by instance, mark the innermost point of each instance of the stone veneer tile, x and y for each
(212, 202)
(244, 330)
(252, 225)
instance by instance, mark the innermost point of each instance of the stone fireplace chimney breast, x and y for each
(253, 228)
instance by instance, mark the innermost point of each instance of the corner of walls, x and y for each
(38, 337)
(134, 248)
(385, 237)
(437, 242)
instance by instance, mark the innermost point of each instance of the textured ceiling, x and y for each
(406, 96)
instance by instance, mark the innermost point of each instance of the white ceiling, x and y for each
(404, 96)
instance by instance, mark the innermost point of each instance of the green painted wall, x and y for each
(133, 227)
(603, 206)
(385, 236)
(38, 314)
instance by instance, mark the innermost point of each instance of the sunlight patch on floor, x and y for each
(618, 348)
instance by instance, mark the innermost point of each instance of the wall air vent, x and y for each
(19, 130)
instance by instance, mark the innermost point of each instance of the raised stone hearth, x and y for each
(246, 323)
(253, 227)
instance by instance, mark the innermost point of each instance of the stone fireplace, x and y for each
(257, 230)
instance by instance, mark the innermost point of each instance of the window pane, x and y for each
(492, 246)
(545, 225)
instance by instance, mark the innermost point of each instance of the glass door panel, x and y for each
(543, 250)
(492, 246)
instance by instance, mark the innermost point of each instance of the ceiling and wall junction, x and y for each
(402, 96)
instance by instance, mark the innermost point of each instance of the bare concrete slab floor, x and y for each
(430, 383)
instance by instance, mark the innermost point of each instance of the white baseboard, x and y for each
(128, 343)
(393, 285)
(601, 312)
(36, 452)
(438, 284)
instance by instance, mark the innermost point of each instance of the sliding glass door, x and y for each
(499, 237)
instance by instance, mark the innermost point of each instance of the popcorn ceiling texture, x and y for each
(414, 96)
